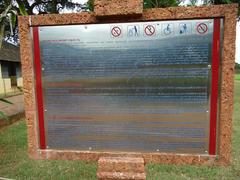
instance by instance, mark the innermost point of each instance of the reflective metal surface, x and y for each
(128, 87)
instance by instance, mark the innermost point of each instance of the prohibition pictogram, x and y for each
(149, 30)
(202, 28)
(116, 31)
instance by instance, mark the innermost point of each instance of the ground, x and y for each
(15, 163)
(237, 77)
(15, 108)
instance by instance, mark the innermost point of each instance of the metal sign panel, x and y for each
(140, 86)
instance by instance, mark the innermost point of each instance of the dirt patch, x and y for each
(1, 152)
(11, 120)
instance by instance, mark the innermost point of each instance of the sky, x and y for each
(237, 36)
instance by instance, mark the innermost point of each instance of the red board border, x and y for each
(214, 87)
(213, 99)
(38, 84)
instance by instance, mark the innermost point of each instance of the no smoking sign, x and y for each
(202, 28)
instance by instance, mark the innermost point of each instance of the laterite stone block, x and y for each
(127, 168)
(103, 8)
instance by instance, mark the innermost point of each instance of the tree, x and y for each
(9, 9)
(90, 5)
(8, 17)
(206, 2)
(237, 68)
(50, 6)
(170, 3)
(220, 1)
(147, 3)
(161, 3)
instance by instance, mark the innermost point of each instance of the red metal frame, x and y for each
(38, 75)
(214, 88)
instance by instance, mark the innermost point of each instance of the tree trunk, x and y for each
(2, 27)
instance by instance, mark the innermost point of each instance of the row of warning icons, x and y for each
(166, 30)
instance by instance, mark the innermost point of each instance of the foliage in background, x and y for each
(147, 3)
(8, 16)
(237, 68)
(10, 9)
(90, 5)
(221, 1)
(161, 3)
(172, 3)
(237, 77)
(50, 6)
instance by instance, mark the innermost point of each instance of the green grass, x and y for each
(237, 77)
(15, 163)
(172, 172)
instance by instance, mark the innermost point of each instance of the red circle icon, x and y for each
(149, 30)
(116, 31)
(202, 28)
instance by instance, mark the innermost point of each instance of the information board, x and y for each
(142, 86)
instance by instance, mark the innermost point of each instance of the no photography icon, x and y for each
(149, 30)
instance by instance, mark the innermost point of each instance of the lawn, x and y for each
(15, 163)
(237, 77)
